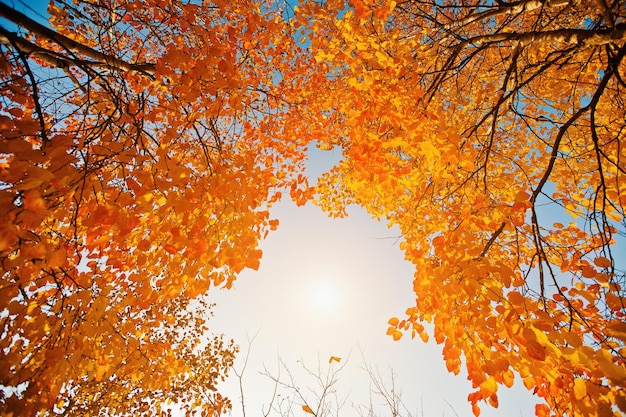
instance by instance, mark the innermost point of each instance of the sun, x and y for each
(323, 294)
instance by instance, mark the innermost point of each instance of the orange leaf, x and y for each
(614, 302)
(308, 409)
(254, 259)
(542, 410)
(588, 272)
(396, 334)
(535, 350)
(170, 249)
(33, 201)
(5, 67)
(602, 262)
(617, 328)
(334, 358)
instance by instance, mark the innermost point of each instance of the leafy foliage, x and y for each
(142, 144)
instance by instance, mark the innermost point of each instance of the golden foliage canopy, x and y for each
(142, 144)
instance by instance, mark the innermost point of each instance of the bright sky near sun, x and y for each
(327, 287)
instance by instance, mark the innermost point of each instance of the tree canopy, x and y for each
(143, 143)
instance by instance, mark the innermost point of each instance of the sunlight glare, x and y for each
(323, 294)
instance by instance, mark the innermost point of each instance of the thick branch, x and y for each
(49, 57)
(506, 9)
(101, 59)
(579, 36)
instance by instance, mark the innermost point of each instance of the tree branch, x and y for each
(101, 60)
(493, 238)
(580, 36)
(506, 9)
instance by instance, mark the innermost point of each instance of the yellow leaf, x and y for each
(580, 389)
(430, 151)
(307, 409)
(323, 56)
(614, 372)
(334, 358)
(31, 306)
(101, 370)
(489, 386)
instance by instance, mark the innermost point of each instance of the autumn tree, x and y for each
(138, 159)
(492, 135)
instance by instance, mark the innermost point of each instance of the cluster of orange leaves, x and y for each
(129, 194)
